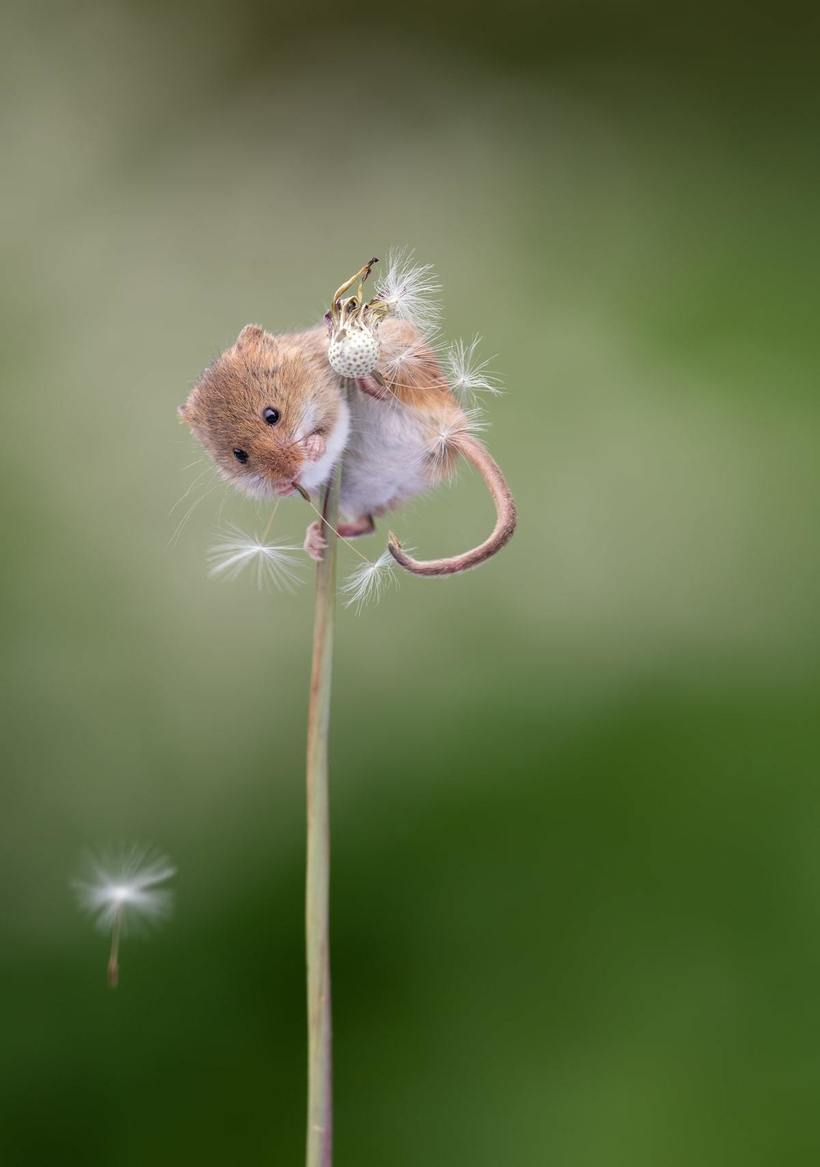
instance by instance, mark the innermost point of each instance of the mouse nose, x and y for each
(282, 466)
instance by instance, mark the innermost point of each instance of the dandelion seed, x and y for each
(410, 290)
(469, 376)
(445, 439)
(125, 890)
(397, 363)
(274, 563)
(367, 582)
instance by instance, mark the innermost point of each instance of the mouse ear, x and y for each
(250, 338)
(184, 412)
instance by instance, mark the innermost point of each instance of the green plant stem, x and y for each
(320, 1042)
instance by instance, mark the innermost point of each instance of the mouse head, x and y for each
(270, 413)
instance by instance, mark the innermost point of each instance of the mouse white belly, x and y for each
(387, 458)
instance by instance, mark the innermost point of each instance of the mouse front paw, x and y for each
(315, 447)
(315, 541)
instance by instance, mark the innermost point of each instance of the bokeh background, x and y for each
(576, 801)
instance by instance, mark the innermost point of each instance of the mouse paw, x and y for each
(374, 386)
(315, 542)
(315, 447)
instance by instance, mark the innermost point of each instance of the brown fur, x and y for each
(291, 373)
(421, 384)
(224, 409)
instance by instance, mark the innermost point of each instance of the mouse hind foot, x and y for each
(316, 543)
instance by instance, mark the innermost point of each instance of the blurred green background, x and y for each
(576, 810)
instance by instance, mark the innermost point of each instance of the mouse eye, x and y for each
(241, 455)
(271, 415)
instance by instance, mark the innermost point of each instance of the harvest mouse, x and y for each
(277, 412)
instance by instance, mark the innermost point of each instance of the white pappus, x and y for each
(468, 375)
(441, 444)
(273, 563)
(125, 889)
(411, 291)
(367, 582)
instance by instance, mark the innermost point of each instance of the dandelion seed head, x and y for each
(367, 582)
(411, 291)
(354, 350)
(468, 376)
(274, 564)
(129, 885)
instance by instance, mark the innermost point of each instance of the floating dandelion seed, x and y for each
(469, 376)
(125, 890)
(410, 291)
(275, 563)
(367, 582)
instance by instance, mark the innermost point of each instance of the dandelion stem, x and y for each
(114, 957)
(320, 1067)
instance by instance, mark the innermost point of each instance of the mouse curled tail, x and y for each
(505, 521)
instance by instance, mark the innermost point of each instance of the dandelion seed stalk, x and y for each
(114, 957)
(320, 1041)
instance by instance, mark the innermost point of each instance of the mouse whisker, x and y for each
(202, 474)
(184, 520)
